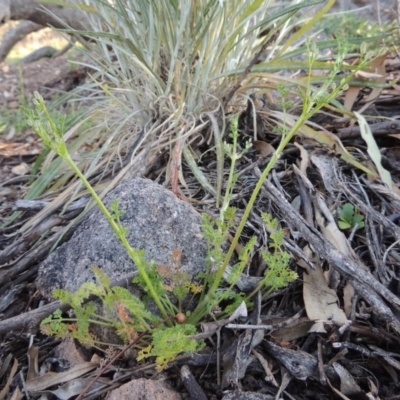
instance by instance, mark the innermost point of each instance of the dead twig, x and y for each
(350, 268)
(379, 129)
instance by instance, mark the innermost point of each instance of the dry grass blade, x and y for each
(4, 391)
(373, 149)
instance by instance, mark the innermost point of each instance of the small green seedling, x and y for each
(350, 217)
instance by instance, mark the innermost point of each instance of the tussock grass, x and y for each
(167, 74)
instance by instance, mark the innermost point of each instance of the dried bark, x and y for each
(37, 15)
(12, 37)
(4, 11)
(35, 11)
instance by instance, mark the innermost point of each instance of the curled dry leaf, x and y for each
(348, 385)
(305, 159)
(264, 148)
(33, 363)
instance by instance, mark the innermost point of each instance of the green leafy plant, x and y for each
(169, 342)
(350, 217)
(213, 294)
(216, 233)
(350, 26)
(279, 274)
(52, 135)
(126, 315)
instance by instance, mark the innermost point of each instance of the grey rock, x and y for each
(144, 389)
(239, 395)
(157, 222)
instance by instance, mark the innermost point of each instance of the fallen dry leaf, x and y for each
(319, 299)
(74, 387)
(21, 169)
(348, 385)
(53, 378)
(264, 148)
(33, 363)
(305, 159)
(351, 97)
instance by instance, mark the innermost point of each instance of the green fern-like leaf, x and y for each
(53, 325)
(102, 278)
(168, 343)
(270, 223)
(115, 212)
(277, 238)
(279, 274)
(237, 299)
(156, 280)
(136, 307)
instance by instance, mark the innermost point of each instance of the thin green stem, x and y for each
(275, 157)
(93, 321)
(120, 235)
(220, 273)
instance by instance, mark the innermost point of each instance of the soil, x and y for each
(18, 83)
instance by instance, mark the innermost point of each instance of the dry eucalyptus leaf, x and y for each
(333, 234)
(293, 332)
(53, 378)
(348, 385)
(319, 299)
(33, 363)
(74, 387)
(351, 96)
(348, 294)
